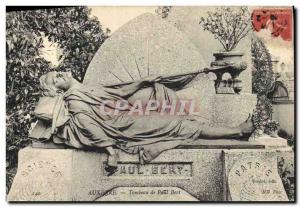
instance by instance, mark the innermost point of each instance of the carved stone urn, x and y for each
(233, 64)
(227, 58)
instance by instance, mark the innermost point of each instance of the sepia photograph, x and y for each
(150, 104)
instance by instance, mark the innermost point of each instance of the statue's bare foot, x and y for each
(112, 164)
(247, 127)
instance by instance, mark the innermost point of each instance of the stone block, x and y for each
(73, 175)
(43, 175)
(196, 172)
(270, 142)
(252, 176)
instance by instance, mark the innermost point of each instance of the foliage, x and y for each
(262, 73)
(289, 137)
(272, 127)
(10, 173)
(78, 35)
(228, 25)
(285, 172)
(263, 79)
(262, 113)
(163, 11)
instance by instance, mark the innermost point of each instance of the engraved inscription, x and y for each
(41, 165)
(254, 179)
(146, 194)
(154, 169)
(40, 181)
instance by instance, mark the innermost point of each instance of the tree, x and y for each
(263, 79)
(79, 36)
(262, 71)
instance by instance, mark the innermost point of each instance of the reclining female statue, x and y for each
(79, 122)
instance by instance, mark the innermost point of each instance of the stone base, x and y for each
(269, 142)
(73, 175)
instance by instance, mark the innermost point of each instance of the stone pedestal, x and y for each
(187, 173)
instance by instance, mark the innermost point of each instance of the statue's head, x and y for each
(54, 82)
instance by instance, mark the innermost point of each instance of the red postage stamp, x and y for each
(278, 21)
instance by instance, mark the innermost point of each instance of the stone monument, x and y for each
(205, 170)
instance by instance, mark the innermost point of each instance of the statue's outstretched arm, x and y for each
(129, 89)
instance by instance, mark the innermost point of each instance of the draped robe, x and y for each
(78, 121)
